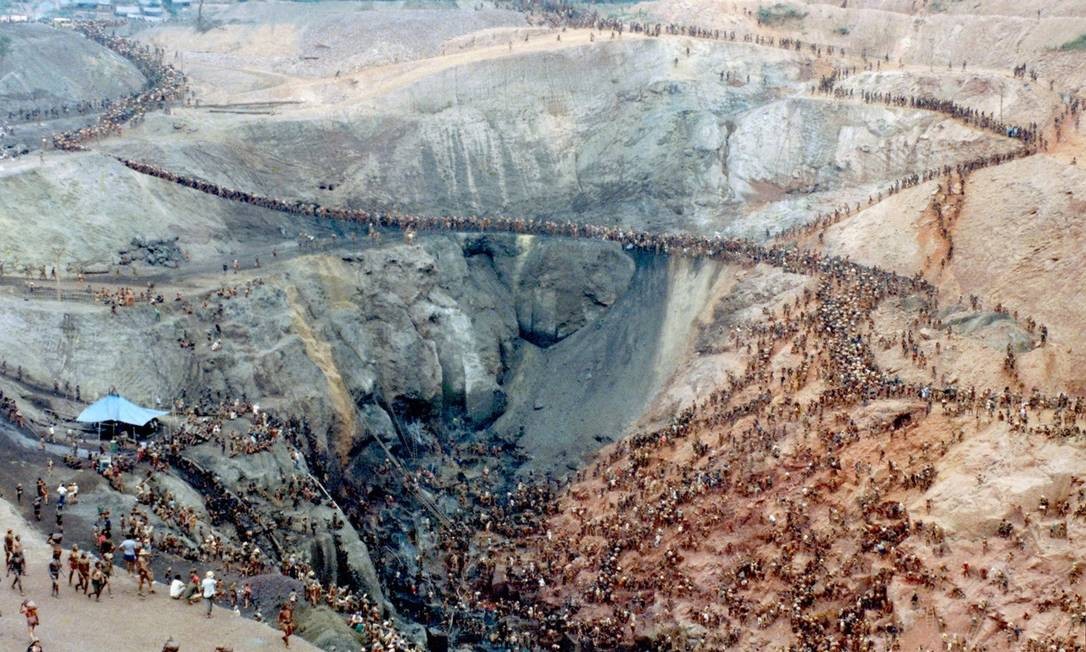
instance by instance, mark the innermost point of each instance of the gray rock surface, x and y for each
(562, 286)
(622, 135)
(49, 67)
(997, 330)
(105, 206)
(326, 629)
(160, 252)
(322, 551)
(569, 399)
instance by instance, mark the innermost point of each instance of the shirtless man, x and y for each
(286, 622)
(143, 569)
(17, 566)
(30, 610)
(84, 570)
(98, 581)
(9, 539)
(55, 568)
(73, 563)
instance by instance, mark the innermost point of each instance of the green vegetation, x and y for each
(841, 31)
(1075, 44)
(778, 13)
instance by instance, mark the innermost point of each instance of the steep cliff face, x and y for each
(61, 341)
(559, 287)
(640, 132)
(381, 350)
(435, 330)
(803, 146)
(427, 330)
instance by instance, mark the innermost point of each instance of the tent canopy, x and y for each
(117, 408)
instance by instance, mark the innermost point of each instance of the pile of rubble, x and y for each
(156, 253)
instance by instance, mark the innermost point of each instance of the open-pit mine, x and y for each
(678, 325)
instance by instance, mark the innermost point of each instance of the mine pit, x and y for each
(543, 326)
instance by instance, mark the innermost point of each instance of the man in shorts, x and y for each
(128, 549)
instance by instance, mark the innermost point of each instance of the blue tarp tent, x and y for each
(117, 408)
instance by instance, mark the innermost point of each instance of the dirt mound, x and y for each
(49, 68)
(992, 35)
(107, 206)
(1028, 254)
(318, 39)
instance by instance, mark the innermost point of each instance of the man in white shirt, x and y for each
(177, 587)
(208, 586)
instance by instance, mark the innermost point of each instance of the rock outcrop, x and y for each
(562, 286)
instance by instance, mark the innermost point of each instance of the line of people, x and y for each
(165, 84)
(1030, 135)
(577, 17)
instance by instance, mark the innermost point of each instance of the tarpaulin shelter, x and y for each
(113, 409)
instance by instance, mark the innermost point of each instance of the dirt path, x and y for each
(375, 82)
(191, 278)
(371, 83)
(125, 622)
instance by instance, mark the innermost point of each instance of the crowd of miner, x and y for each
(1029, 135)
(89, 574)
(12, 133)
(684, 244)
(169, 84)
(822, 331)
(844, 299)
(865, 287)
(1032, 138)
(667, 492)
(159, 525)
(206, 306)
(823, 220)
(237, 427)
(843, 351)
(570, 16)
(166, 84)
(680, 244)
(827, 339)
(584, 17)
(62, 110)
(743, 251)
